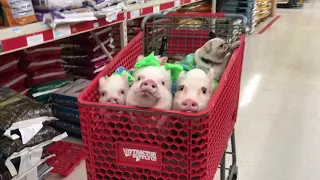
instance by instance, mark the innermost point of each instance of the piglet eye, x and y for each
(204, 90)
(163, 83)
(181, 88)
(139, 78)
(122, 91)
(102, 94)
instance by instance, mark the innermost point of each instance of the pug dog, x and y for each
(215, 54)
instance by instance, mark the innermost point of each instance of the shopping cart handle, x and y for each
(210, 15)
(197, 15)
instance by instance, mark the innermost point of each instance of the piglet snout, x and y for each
(189, 105)
(149, 85)
(113, 100)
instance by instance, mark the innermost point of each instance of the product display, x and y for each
(18, 108)
(18, 12)
(72, 129)
(67, 114)
(67, 96)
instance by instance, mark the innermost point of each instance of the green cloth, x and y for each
(175, 69)
(188, 62)
(150, 60)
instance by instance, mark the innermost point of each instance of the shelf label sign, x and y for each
(35, 40)
(96, 24)
(176, 3)
(16, 30)
(62, 31)
(135, 14)
(156, 8)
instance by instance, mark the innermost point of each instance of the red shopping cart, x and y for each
(187, 146)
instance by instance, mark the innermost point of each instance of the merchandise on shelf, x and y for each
(65, 107)
(24, 134)
(18, 13)
(67, 95)
(71, 128)
(244, 7)
(264, 7)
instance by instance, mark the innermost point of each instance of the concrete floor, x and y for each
(278, 125)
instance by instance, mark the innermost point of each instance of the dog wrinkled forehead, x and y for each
(216, 42)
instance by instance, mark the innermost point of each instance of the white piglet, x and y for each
(194, 90)
(151, 88)
(113, 89)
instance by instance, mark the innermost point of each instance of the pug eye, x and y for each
(204, 90)
(221, 45)
(122, 91)
(181, 88)
(163, 83)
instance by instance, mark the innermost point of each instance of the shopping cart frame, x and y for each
(200, 154)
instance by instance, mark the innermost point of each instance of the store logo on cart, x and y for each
(140, 154)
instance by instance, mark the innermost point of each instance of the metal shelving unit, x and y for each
(17, 38)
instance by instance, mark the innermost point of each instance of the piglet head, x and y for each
(150, 88)
(194, 91)
(152, 85)
(113, 89)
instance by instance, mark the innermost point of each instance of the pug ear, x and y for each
(207, 46)
(212, 35)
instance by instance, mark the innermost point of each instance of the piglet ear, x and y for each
(163, 60)
(140, 57)
(181, 75)
(125, 78)
(102, 80)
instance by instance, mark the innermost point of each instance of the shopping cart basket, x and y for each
(124, 142)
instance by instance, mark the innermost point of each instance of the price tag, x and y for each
(134, 14)
(156, 9)
(60, 32)
(35, 40)
(176, 3)
(16, 30)
(95, 25)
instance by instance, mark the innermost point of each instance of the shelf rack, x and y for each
(21, 37)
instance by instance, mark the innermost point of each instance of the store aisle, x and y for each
(279, 116)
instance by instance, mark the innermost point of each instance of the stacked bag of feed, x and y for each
(25, 135)
(84, 56)
(10, 75)
(42, 64)
(42, 93)
(65, 107)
